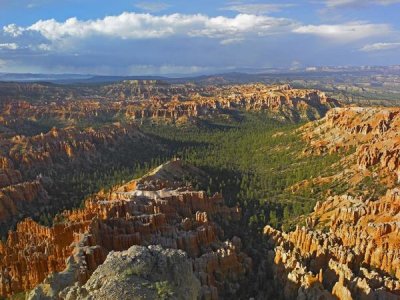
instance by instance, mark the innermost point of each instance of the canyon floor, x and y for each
(152, 190)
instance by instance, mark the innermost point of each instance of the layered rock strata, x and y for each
(372, 132)
(356, 256)
(29, 147)
(283, 101)
(135, 214)
(167, 102)
(23, 158)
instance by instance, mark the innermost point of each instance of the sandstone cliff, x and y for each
(160, 101)
(50, 135)
(23, 159)
(372, 132)
(280, 101)
(349, 245)
(149, 213)
(355, 256)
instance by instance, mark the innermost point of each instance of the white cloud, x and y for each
(147, 26)
(353, 3)
(380, 47)
(13, 30)
(345, 32)
(39, 47)
(125, 26)
(257, 8)
(9, 46)
(44, 47)
(242, 24)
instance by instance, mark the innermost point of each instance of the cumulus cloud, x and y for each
(125, 26)
(355, 3)
(257, 8)
(242, 24)
(13, 30)
(147, 26)
(345, 32)
(380, 47)
(9, 46)
(146, 43)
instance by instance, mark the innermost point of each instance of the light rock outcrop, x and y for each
(140, 273)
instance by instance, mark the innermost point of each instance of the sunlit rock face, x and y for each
(155, 210)
(372, 131)
(25, 157)
(84, 121)
(281, 102)
(357, 257)
(349, 245)
(155, 100)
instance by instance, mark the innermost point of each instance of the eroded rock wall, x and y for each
(356, 256)
(177, 218)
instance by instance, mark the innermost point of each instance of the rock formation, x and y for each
(30, 147)
(372, 132)
(138, 273)
(349, 249)
(349, 245)
(49, 128)
(148, 212)
(157, 100)
(23, 159)
(281, 101)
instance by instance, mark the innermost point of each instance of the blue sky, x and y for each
(185, 37)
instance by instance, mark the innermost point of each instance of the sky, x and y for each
(185, 37)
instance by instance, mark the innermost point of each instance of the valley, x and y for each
(267, 191)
